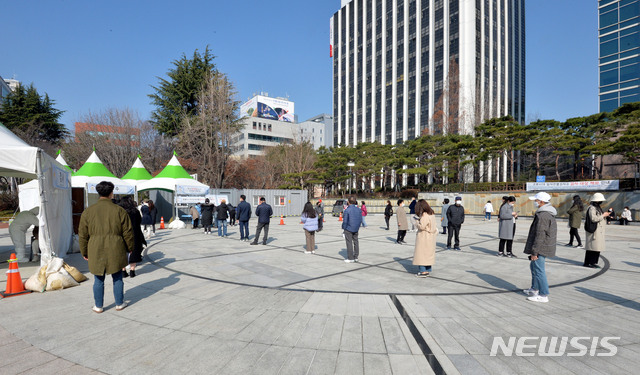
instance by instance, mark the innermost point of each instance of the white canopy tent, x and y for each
(19, 159)
(92, 173)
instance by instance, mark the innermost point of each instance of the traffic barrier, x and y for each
(15, 286)
(281, 220)
(161, 222)
(340, 219)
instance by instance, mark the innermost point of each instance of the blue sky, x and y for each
(92, 55)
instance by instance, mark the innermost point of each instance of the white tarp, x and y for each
(18, 159)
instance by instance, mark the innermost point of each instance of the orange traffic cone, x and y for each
(281, 220)
(161, 222)
(340, 219)
(15, 286)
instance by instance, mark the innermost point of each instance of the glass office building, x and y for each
(619, 34)
(404, 68)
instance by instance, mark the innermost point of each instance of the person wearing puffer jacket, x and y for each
(541, 243)
(310, 220)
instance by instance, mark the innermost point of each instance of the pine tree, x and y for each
(32, 116)
(177, 96)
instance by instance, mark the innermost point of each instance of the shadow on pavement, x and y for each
(482, 249)
(149, 288)
(494, 281)
(631, 263)
(407, 264)
(604, 296)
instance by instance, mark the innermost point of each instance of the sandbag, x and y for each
(37, 282)
(54, 266)
(77, 275)
(60, 280)
(177, 224)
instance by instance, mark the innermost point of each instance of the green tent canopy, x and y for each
(137, 172)
(174, 170)
(61, 160)
(93, 167)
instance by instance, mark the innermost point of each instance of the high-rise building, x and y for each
(619, 34)
(403, 68)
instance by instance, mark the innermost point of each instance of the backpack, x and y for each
(589, 226)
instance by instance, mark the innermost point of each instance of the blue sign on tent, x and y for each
(541, 178)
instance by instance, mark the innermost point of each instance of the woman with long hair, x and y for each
(575, 220)
(507, 226)
(424, 254)
(309, 218)
(135, 255)
(388, 212)
(595, 241)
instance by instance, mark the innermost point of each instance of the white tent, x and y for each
(92, 173)
(18, 159)
(174, 178)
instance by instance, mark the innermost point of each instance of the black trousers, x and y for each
(509, 244)
(453, 230)
(266, 232)
(624, 221)
(386, 220)
(591, 257)
(401, 234)
(195, 223)
(320, 223)
(573, 232)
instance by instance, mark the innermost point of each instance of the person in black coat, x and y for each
(153, 212)
(135, 256)
(388, 212)
(244, 214)
(221, 218)
(320, 213)
(232, 214)
(146, 219)
(207, 215)
(455, 216)
(263, 212)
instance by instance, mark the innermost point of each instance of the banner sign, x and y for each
(574, 185)
(191, 190)
(117, 190)
(61, 177)
(217, 199)
(189, 199)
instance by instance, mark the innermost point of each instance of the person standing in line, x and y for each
(363, 211)
(403, 225)
(320, 213)
(135, 256)
(18, 232)
(105, 236)
(443, 215)
(575, 220)
(455, 219)
(352, 218)
(146, 218)
(541, 243)
(488, 209)
(232, 214)
(424, 255)
(199, 208)
(153, 212)
(625, 216)
(195, 216)
(595, 241)
(207, 215)
(309, 218)
(221, 218)
(507, 226)
(388, 212)
(244, 214)
(412, 214)
(263, 212)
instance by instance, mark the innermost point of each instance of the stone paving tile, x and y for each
(324, 362)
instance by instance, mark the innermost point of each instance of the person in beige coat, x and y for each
(424, 255)
(595, 241)
(403, 224)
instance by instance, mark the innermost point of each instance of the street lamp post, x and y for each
(350, 165)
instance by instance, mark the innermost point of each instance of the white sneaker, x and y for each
(530, 292)
(307, 252)
(121, 307)
(313, 251)
(356, 260)
(578, 247)
(349, 261)
(538, 298)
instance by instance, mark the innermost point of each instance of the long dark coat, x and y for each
(146, 215)
(207, 214)
(138, 237)
(105, 236)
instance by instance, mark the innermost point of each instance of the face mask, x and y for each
(536, 204)
(458, 202)
(512, 204)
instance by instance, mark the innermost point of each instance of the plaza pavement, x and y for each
(208, 305)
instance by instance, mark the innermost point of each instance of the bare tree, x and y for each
(205, 138)
(118, 136)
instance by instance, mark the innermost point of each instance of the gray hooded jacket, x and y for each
(543, 232)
